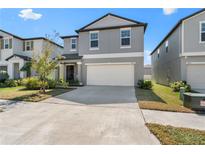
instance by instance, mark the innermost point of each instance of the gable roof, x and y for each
(32, 38)
(135, 23)
(175, 27)
(20, 56)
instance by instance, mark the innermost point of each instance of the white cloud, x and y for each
(29, 14)
(169, 11)
(147, 57)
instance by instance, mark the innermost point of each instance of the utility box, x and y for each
(194, 101)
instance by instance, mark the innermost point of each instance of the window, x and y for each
(28, 45)
(6, 43)
(94, 38)
(166, 46)
(73, 44)
(202, 31)
(125, 37)
(158, 52)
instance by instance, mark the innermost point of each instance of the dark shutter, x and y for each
(24, 45)
(31, 45)
(2, 44)
(10, 43)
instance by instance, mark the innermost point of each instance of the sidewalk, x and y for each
(187, 120)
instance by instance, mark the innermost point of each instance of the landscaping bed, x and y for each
(161, 98)
(22, 94)
(170, 135)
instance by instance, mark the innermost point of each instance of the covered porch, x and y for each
(70, 68)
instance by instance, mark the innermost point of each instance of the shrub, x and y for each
(11, 83)
(2, 85)
(74, 82)
(32, 83)
(178, 84)
(62, 83)
(145, 84)
(51, 83)
(3, 76)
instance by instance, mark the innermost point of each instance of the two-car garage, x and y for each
(114, 74)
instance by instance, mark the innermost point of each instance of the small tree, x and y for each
(27, 68)
(44, 65)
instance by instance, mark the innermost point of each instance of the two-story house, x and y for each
(181, 54)
(107, 51)
(16, 51)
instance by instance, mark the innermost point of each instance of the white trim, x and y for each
(200, 32)
(193, 54)
(114, 55)
(93, 48)
(182, 37)
(122, 63)
(195, 63)
(79, 63)
(73, 38)
(125, 46)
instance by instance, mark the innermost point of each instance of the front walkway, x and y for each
(87, 115)
(187, 120)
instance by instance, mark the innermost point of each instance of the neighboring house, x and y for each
(148, 72)
(181, 54)
(16, 51)
(108, 51)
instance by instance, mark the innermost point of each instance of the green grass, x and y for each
(160, 98)
(22, 94)
(170, 135)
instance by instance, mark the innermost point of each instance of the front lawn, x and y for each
(170, 135)
(22, 94)
(160, 98)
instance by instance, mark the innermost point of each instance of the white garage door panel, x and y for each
(196, 76)
(116, 75)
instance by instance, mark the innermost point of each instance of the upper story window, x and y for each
(73, 44)
(158, 52)
(125, 37)
(6, 43)
(202, 31)
(94, 40)
(166, 46)
(28, 46)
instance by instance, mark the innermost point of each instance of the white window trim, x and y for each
(167, 46)
(125, 46)
(200, 31)
(7, 38)
(93, 48)
(29, 45)
(73, 43)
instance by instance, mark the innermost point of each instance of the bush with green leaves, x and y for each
(11, 83)
(32, 83)
(145, 84)
(51, 83)
(178, 84)
(62, 84)
(3, 76)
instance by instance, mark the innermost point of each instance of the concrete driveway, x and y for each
(87, 115)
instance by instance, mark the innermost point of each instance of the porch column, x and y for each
(62, 71)
(79, 77)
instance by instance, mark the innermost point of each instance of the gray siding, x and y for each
(192, 35)
(167, 67)
(67, 46)
(139, 69)
(109, 21)
(109, 42)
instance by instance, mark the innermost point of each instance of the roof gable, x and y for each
(110, 20)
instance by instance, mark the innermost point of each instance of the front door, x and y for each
(16, 71)
(70, 72)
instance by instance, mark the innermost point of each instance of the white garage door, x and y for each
(196, 76)
(110, 74)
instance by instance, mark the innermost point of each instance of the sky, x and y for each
(39, 22)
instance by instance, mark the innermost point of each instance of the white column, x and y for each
(79, 77)
(62, 71)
